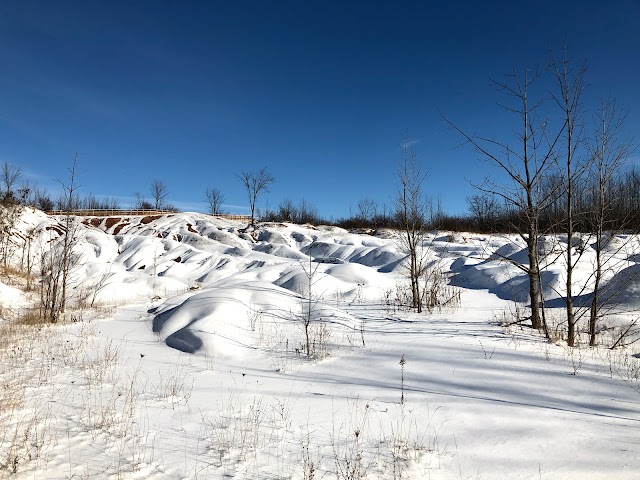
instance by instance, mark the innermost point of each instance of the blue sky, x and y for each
(321, 93)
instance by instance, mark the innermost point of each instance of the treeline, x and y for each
(488, 214)
(15, 192)
(42, 200)
(618, 204)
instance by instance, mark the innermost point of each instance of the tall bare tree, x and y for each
(255, 183)
(525, 165)
(411, 206)
(57, 263)
(215, 199)
(159, 192)
(307, 316)
(71, 226)
(610, 149)
(567, 97)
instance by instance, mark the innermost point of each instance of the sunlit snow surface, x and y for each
(206, 317)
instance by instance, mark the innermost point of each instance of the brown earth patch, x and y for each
(149, 219)
(119, 227)
(111, 221)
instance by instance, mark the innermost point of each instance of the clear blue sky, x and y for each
(320, 92)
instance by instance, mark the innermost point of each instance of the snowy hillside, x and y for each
(195, 347)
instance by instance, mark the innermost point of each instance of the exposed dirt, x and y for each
(111, 221)
(149, 219)
(93, 221)
(120, 227)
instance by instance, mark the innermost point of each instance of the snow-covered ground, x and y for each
(188, 360)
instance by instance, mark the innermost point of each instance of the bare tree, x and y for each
(11, 201)
(159, 192)
(41, 199)
(91, 202)
(142, 203)
(286, 211)
(367, 209)
(255, 183)
(610, 151)
(215, 199)
(570, 86)
(57, 263)
(410, 206)
(307, 212)
(307, 316)
(71, 227)
(525, 165)
(10, 176)
(484, 209)
(10, 214)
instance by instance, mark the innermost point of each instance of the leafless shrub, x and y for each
(310, 461)
(25, 439)
(347, 443)
(406, 442)
(235, 431)
(437, 291)
(254, 315)
(172, 386)
(30, 317)
(623, 364)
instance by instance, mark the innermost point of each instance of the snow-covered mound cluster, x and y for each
(217, 272)
(496, 263)
(223, 271)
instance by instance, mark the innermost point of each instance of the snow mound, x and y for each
(11, 297)
(217, 318)
(356, 273)
(234, 319)
(624, 288)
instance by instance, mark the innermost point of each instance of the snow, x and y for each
(188, 361)
(11, 297)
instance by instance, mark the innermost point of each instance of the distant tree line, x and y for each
(14, 192)
(487, 214)
(620, 194)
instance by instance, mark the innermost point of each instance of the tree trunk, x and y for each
(534, 282)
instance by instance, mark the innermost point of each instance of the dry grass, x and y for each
(30, 317)
(24, 421)
(16, 277)
(36, 360)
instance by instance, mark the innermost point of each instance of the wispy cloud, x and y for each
(410, 142)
